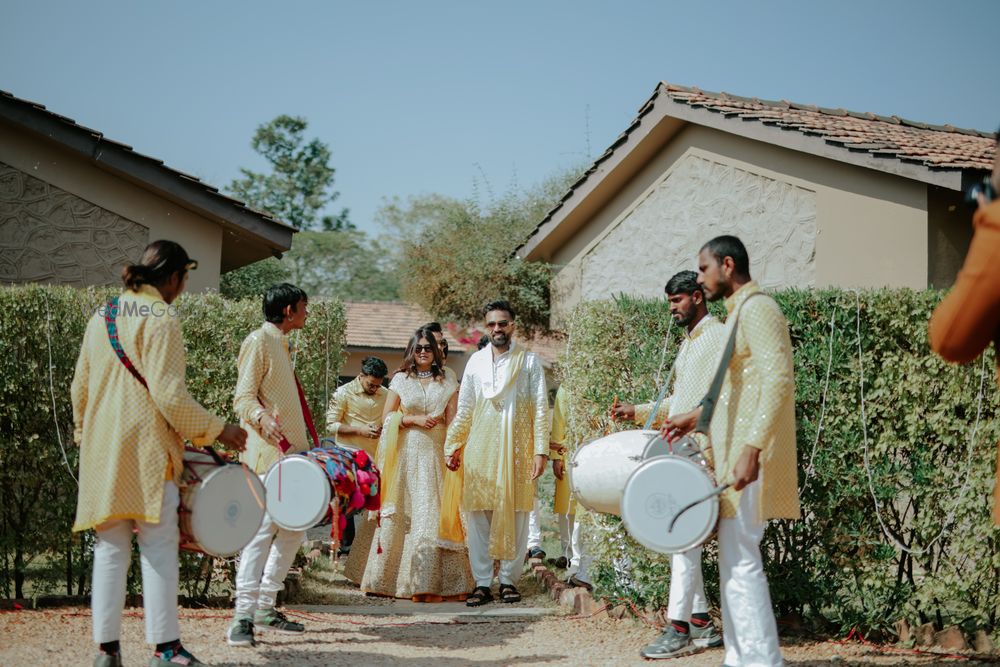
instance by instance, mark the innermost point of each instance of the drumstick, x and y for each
(714, 492)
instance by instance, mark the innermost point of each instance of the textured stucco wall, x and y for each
(68, 173)
(697, 198)
(48, 235)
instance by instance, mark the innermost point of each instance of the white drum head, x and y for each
(656, 491)
(599, 469)
(304, 493)
(224, 513)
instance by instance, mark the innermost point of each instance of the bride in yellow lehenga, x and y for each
(409, 556)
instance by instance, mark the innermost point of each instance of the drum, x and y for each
(298, 492)
(686, 447)
(221, 505)
(301, 488)
(599, 469)
(656, 491)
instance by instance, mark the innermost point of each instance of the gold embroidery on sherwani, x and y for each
(477, 428)
(414, 560)
(756, 407)
(129, 435)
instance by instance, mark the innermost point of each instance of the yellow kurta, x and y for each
(351, 406)
(697, 361)
(477, 428)
(129, 435)
(267, 382)
(756, 407)
(562, 502)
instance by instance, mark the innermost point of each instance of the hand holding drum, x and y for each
(233, 437)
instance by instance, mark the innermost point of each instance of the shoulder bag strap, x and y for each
(110, 322)
(712, 397)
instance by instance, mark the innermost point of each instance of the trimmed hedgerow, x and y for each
(836, 567)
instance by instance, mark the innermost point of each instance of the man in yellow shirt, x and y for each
(271, 406)
(753, 445)
(131, 409)
(354, 419)
(690, 625)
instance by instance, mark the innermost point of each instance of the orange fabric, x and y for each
(968, 318)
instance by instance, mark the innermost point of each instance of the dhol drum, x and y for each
(222, 504)
(302, 488)
(600, 468)
(298, 492)
(654, 494)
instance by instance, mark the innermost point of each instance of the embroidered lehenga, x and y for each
(414, 561)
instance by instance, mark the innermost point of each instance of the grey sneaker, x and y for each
(705, 636)
(105, 660)
(272, 619)
(670, 644)
(240, 632)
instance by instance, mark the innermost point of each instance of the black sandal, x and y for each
(509, 594)
(479, 596)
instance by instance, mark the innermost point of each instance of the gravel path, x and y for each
(383, 632)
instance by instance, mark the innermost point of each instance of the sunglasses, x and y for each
(423, 348)
(502, 324)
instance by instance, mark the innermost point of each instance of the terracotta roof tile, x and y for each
(938, 146)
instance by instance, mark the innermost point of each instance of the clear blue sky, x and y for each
(419, 96)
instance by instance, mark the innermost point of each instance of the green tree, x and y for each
(300, 184)
(345, 264)
(454, 254)
(251, 280)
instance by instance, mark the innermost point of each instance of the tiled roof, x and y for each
(383, 324)
(389, 325)
(936, 146)
(939, 148)
(93, 142)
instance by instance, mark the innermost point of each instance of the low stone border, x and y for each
(574, 597)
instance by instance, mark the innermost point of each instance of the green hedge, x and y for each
(38, 553)
(836, 567)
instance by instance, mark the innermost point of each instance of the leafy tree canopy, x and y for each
(454, 255)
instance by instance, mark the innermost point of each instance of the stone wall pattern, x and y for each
(700, 199)
(48, 235)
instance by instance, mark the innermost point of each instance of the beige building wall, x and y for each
(807, 221)
(201, 237)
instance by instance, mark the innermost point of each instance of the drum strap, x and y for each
(110, 322)
(712, 397)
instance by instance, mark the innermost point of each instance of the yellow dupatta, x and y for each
(387, 458)
(502, 527)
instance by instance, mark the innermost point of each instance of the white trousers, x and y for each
(478, 538)
(264, 563)
(565, 531)
(581, 560)
(158, 546)
(750, 631)
(534, 527)
(566, 522)
(687, 588)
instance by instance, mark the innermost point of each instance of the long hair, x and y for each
(409, 365)
(160, 260)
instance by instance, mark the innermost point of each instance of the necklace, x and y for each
(423, 375)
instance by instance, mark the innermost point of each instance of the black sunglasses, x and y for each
(423, 348)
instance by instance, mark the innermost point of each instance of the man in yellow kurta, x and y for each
(500, 434)
(271, 406)
(753, 444)
(354, 420)
(132, 449)
(690, 625)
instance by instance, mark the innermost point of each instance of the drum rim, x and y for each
(195, 543)
(713, 503)
(294, 459)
